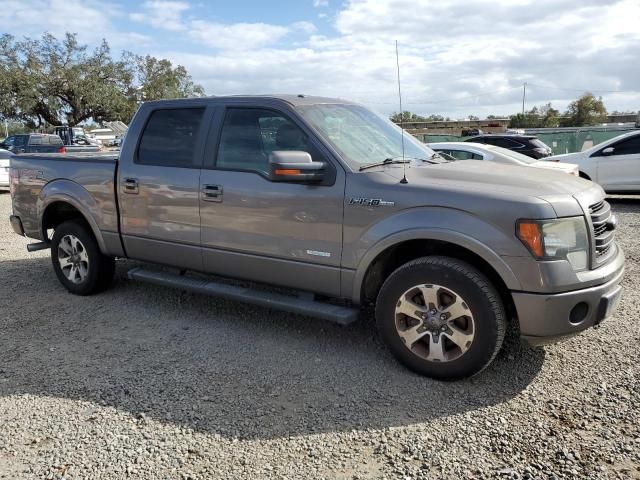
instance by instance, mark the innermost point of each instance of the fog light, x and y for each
(578, 313)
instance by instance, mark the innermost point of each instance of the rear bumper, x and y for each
(16, 224)
(547, 318)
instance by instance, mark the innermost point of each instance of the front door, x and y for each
(620, 170)
(158, 189)
(280, 233)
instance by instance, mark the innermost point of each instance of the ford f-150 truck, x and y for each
(325, 197)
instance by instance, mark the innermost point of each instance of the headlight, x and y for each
(561, 239)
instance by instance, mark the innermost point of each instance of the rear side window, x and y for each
(35, 140)
(169, 138)
(54, 140)
(537, 143)
(506, 143)
(463, 155)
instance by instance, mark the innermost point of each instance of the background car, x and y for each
(33, 143)
(528, 145)
(491, 153)
(4, 168)
(614, 164)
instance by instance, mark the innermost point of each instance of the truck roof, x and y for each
(294, 100)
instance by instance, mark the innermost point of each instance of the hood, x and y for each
(494, 178)
(564, 157)
(570, 168)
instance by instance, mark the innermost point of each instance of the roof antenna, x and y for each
(404, 165)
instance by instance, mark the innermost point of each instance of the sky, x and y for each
(457, 57)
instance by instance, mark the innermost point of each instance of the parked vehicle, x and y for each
(614, 164)
(75, 140)
(491, 153)
(528, 145)
(33, 143)
(4, 168)
(324, 196)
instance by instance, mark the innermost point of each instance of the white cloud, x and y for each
(320, 3)
(237, 36)
(457, 57)
(34, 17)
(162, 14)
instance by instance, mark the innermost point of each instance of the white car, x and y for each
(614, 164)
(4, 168)
(492, 153)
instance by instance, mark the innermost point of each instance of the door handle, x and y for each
(212, 193)
(131, 186)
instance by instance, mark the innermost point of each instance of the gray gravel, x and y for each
(144, 382)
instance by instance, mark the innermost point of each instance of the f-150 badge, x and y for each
(370, 202)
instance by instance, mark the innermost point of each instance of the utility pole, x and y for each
(524, 94)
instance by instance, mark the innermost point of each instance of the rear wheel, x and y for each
(77, 260)
(441, 317)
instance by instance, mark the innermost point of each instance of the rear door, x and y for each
(252, 227)
(158, 185)
(620, 171)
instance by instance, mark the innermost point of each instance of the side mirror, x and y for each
(295, 166)
(608, 151)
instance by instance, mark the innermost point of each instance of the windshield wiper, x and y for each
(387, 161)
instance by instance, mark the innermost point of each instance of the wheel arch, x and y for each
(388, 255)
(64, 200)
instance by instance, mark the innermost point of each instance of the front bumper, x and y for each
(547, 318)
(16, 224)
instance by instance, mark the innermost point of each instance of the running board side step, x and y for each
(303, 306)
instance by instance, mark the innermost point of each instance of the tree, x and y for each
(586, 110)
(406, 117)
(55, 82)
(538, 117)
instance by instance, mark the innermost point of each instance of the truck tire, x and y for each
(441, 317)
(77, 260)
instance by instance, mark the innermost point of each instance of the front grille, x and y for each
(603, 228)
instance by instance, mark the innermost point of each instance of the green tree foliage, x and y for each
(586, 110)
(50, 81)
(406, 116)
(538, 117)
(413, 117)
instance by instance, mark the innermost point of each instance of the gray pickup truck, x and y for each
(326, 198)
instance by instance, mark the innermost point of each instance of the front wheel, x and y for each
(441, 317)
(77, 260)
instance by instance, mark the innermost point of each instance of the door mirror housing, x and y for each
(295, 166)
(608, 151)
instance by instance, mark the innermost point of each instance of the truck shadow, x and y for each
(221, 367)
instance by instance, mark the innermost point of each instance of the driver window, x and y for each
(249, 135)
(628, 147)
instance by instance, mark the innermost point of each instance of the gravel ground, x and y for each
(144, 382)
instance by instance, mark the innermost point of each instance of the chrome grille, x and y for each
(604, 226)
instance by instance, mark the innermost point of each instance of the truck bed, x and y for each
(90, 177)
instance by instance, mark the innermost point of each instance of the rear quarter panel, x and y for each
(84, 182)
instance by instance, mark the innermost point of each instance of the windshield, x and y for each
(362, 137)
